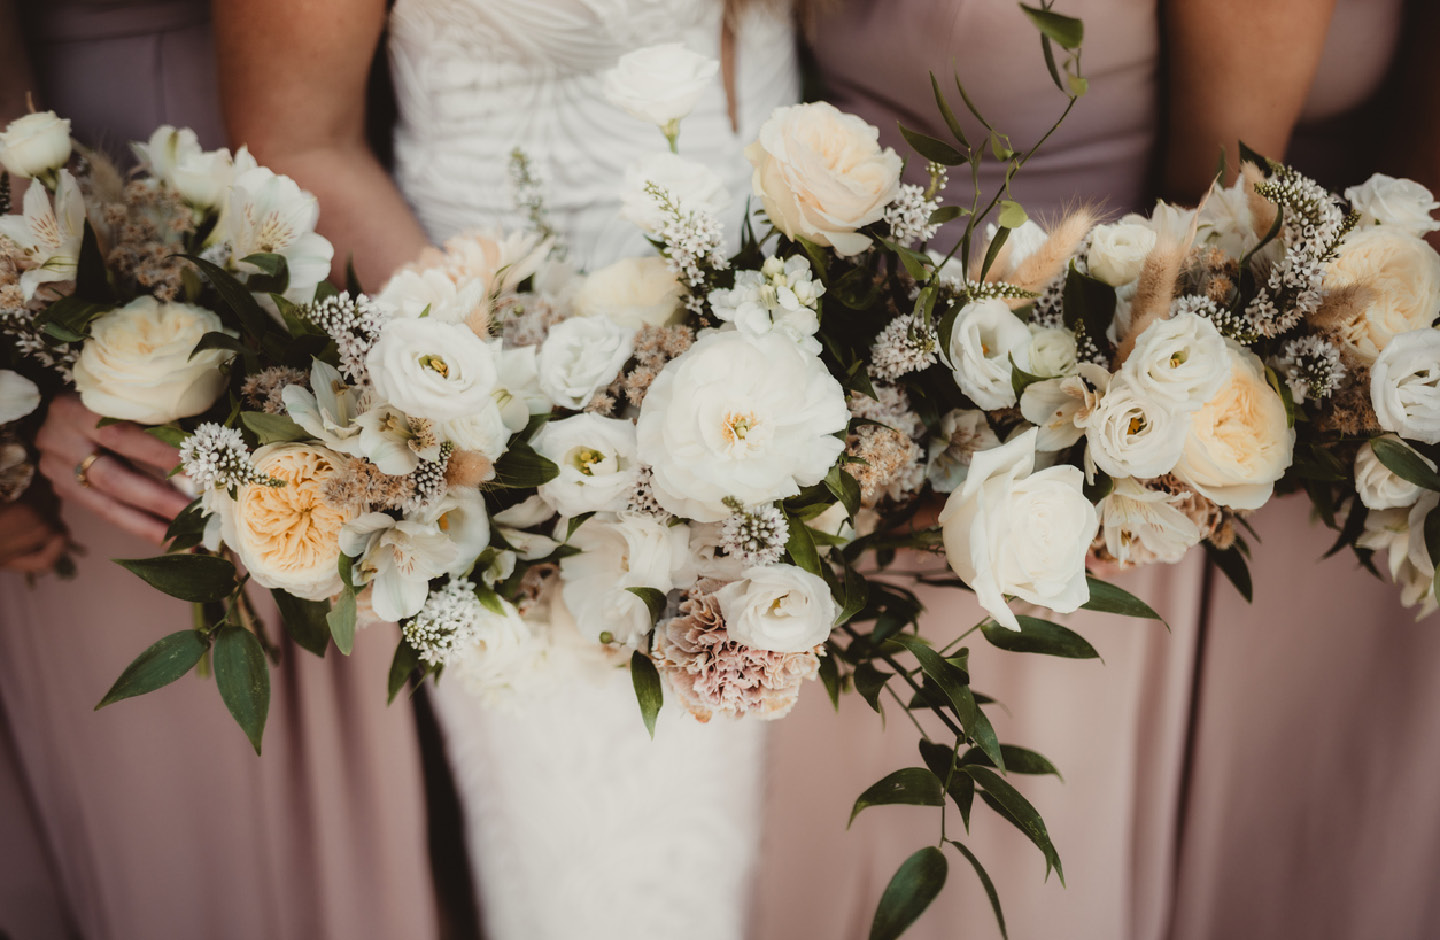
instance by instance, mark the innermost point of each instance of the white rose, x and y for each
(1052, 351)
(618, 553)
(580, 356)
(1400, 276)
(743, 416)
(1380, 487)
(136, 365)
(1405, 386)
(1142, 526)
(1402, 203)
(1181, 361)
(659, 84)
(780, 608)
(633, 292)
(1133, 434)
(691, 186)
(1117, 252)
(35, 144)
(431, 369)
(18, 396)
(821, 174)
(1010, 531)
(985, 338)
(1239, 442)
(596, 457)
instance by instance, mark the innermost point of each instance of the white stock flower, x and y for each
(433, 293)
(632, 292)
(432, 369)
(398, 558)
(1117, 252)
(1008, 530)
(660, 83)
(618, 553)
(1052, 351)
(1405, 386)
(50, 236)
(35, 144)
(137, 366)
(596, 457)
(1134, 434)
(782, 295)
(1378, 486)
(1402, 203)
(1142, 526)
(1181, 361)
(821, 174)
(1060, 407)
(266, 213)
(780, 608)
(740, 417)
(985, 338)
(18, 396)
(1400, 279)
(691, 186)
(174, 157)
(581, 356)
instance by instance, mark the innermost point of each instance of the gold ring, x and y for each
(83, 468)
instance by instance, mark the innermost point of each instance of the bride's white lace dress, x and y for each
(578, 824)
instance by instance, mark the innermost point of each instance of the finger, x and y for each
(112, 476)
(131, 442)
(21, 542)
(42, 560)
(131, 520)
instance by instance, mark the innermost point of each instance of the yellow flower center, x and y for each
(436, 364)
(738, 425)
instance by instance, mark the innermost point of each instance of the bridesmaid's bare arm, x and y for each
(1235, 70)
(293, 80)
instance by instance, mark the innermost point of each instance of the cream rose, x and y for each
(821, 174)
(780, 608)
(1117, 252)
(432, 369)
(35, 144)
(1401, 203)
(1405, 386)
(1401, 277)
(659, 84)
(632, 292)
(136, 364)
(580, 356)
(985, 339)
(1010, 531)
(1239, 443)
(1378, 486)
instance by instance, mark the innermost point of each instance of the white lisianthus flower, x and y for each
(1401, 203)
(1118, 252)
(782, 295)
(660, 83)
(1405, 386)
(1008, 530)
(1059, 408)
(18, 396)
(1400, 276)
(50, 236)
(1378, 486)
(266, 213)
(174, 157)
(1180, 361)
(618, 553)
(483, 430)
(1052, 351)
(691, 186)
(596, 457)
(822, 174)
(963, 434)
(433, 293)
(740, 417)
(581, 356)
(35, 144)
(432, 369)
(519, 395)
(632, 292)
(1142, 526)
(398, 558)
(1134, 434)
(328, 412)
(985, 339)
(393, 441)
(462, 516)
(780, 608)
(137, 366)
(1240, 443)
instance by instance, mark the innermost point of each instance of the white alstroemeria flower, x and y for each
(397, 558)
(174, 157)
(50, 236)
(266, 213)
(462, 516)
(519, 394)
(1060, 407)
(18, 396)
(1141, 525)
(527, 514)
(35, 144)
(596, 457)
(393, 441)
(1401, 203)
(328, 412)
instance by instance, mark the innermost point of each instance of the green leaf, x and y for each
(92, 282)
(1405, 463)
(931, 149)
(870, 682)
(1078, 85)
(1018, 760)
(654, 599)
(68, 319)
(1089, 302)
(167, 434)
(243, 677)
(844, 487)
(948, 214)
(912, 786)
(166, 660)
(217, 340)
(941, 761)
(830, 678)
(236, 296)
(648, 692)
(274, 275)
(1067, 31)
(1039, 636)
(1012, 214)
(521, 467)
(1110, 599)
(855, 594)
(1432, 545)
(992, 250)
(342, 620)
(272, 428)
(402, 667)
(945, 112)
(985, 881)
(195, 578)
(952, 681)
(304, 621)
(1012, 805)
(913, 886)
(1231, 563)
(801, 546)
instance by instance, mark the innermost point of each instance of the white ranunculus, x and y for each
(35, 144)
(1052, 351)
(18, 396)
(1402, 203)
(432, 369)
(963, 434)
(984, 340)
(136, 365)
(821, 174)
(1134, 434)
(174, 157)
(618, 553)
(49, 235)
(691, 186)
(780, 608)
(266, 213)
(1141, 526)
(1180, 361)
(1405, 386)
(1118, 252)
(398, 558)
(1010, 531)
(1400, 278)
(1240, 443)
(661, 83)
(632, 292)
(596, 457)
(1380, 487)
(739, 416)
(1059, 408)
(581, 356)
(433, 293)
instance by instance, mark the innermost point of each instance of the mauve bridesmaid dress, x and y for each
(153, 818)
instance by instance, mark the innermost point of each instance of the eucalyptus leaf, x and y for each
(910, 891)
(1405, 463)
(949, 115)
(166, 660)
(1111, 599)
(304, 621)
(1012, 214)
(646, 679)
(195, 578)
(936, 151)
(1038, 636)
(1011, 804)
(243, 677)
(911, 786)
(992, 250)
(985, 882)
(1067, 31)
(341, 620)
